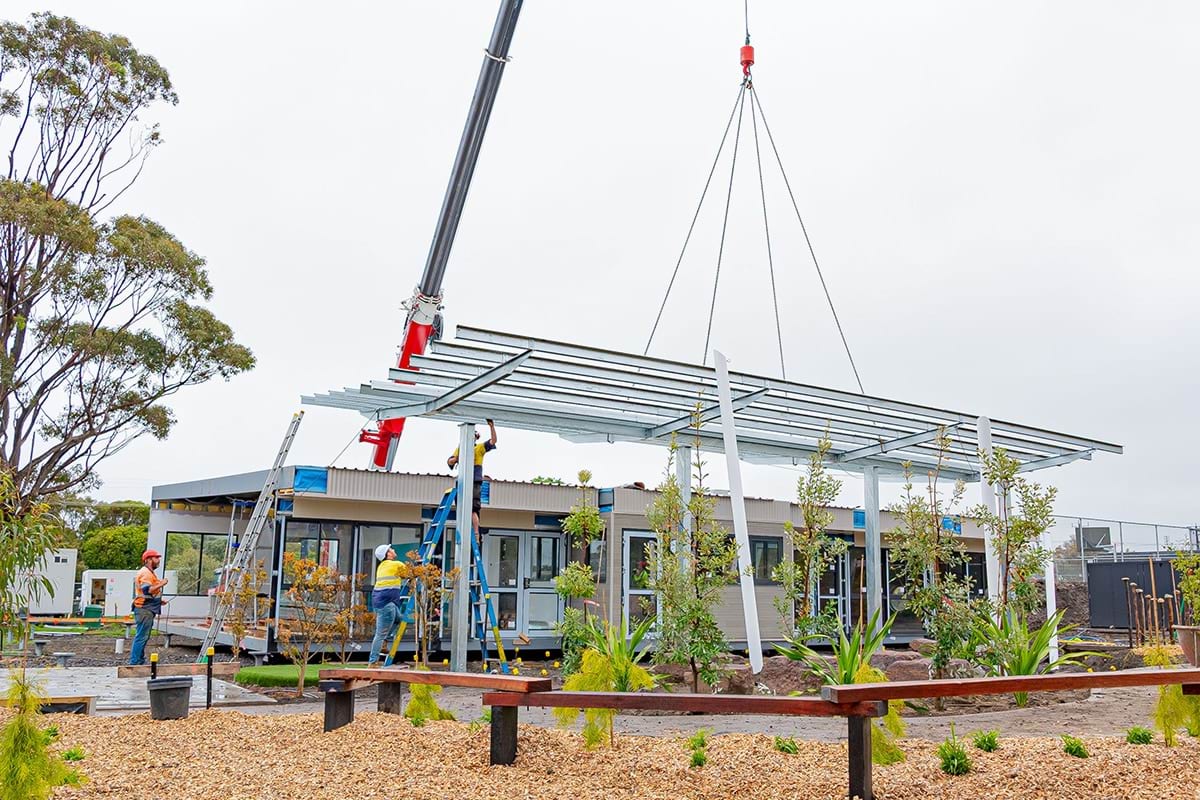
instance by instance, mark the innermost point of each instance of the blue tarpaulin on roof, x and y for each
(311, 479)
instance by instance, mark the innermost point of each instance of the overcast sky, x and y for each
(1002, 194)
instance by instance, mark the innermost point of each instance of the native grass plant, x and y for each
(697, 744)
(1009, 647)
(310, 601)
(422, 704)
(27, 533)
(575, 582)
(852, 664)
(692, 561)
(812, 551)
(245, 608)
(987, 741)
(925, 557)
(787, 745)
(1073, 746)
(1174, 709)
(1016, 536)
(953, 755)
(611, 663)
(1139, 735)
(28, 769)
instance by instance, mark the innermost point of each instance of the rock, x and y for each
(923, 646)
(738, 679)
(885, 658)
(909, 669)
(961, 668)
(784, 676)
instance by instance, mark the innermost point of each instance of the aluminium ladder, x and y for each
(243, 553)
(483, 614)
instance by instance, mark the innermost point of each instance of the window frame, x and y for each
(200, 580)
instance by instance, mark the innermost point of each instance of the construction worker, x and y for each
(481, 449)
(386, 598)
(147, 603)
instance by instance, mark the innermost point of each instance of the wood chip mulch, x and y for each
(234, 756)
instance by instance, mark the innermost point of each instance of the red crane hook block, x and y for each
(747, 59)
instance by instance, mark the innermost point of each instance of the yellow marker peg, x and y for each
(547, 654)
(516, 671)
(519, 661)
(154, 658)
(445, 662)
(557, 665)
(545, 673)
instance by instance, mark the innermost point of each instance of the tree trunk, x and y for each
(695, 677)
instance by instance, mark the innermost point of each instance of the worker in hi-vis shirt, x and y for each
(481, 449)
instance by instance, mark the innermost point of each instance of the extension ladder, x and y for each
(243, 553)
(483, 613)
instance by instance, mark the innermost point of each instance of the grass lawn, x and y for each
(284, 674)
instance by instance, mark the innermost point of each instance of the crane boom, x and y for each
(427, 298)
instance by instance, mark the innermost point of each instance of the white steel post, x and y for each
(874, 548)
(737, 500)
(683, 476)
(459, 632)
(988, 495)
(1051, 602)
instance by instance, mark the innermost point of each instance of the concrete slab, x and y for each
(128, 694)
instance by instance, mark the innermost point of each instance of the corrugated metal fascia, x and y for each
(388, 487)
(539, 497)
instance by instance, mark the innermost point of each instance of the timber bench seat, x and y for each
(860, 771)
(339, 686)
(505, 704)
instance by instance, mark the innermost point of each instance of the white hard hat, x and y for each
(382, 551)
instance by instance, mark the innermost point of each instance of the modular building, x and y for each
(339, 516)
(50, 589)
(112, 590)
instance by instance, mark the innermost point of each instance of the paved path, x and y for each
(1107, 713)
(126, 695)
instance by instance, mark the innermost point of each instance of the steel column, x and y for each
(988, 495)
(738, 501)
(874, 547)
(460, 630)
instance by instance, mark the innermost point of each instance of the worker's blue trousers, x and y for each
(387, 620)
(145, 623)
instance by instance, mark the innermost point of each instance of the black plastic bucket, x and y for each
(169, 697)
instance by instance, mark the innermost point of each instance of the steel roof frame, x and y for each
(588, 394)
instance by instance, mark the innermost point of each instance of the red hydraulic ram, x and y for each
(423, 308)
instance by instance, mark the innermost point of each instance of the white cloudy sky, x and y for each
(1003, 196)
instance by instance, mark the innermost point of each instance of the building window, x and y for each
(328, 543)
(597, 560)
(195, 559)
(765, 555)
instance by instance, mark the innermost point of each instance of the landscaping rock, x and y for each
(785, 676)
(910, 669)
(923, 646)
(885, 658)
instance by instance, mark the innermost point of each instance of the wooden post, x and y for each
(391, 698)
(1128, 610)
(860, 758)
(504, 735)
(339, 705)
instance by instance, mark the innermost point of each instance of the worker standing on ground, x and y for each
(481, 449)
(386, 597)
(147, 604)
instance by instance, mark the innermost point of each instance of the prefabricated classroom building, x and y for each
(339, 516)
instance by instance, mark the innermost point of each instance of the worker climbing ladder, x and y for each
(483, 615)
(239, 556)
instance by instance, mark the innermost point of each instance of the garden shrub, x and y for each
(1073, 746)
(953, 756)
(987, 741)
(1138, 735)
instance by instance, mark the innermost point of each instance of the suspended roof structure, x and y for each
(585, 394)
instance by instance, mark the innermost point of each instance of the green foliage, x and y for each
(102, 316)
(692, 561)
(987, 741)
(1137, 735)
(118, 547)
(418, 720)
(1010, 648)
(1173, 709)
(1016, 536)
(27, 532)
(576, 581)
(611, 663)
(953, 756)
(699, 758)
(852, 664)
(787, 745)
(812, 551)
(1073, 746)
(28, 769)
(50, 734)
(422, 702)
(699, 739)
(1188, 567)
(584, 523)
(74, 753)
(574, 636)
(545, 481)
(924, 556)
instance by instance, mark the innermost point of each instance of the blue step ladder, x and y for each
(483, 613)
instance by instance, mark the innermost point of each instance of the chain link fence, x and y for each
(1076, 541)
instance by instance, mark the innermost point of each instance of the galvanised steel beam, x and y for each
(895, 444)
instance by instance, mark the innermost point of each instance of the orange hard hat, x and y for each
(151, 554)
